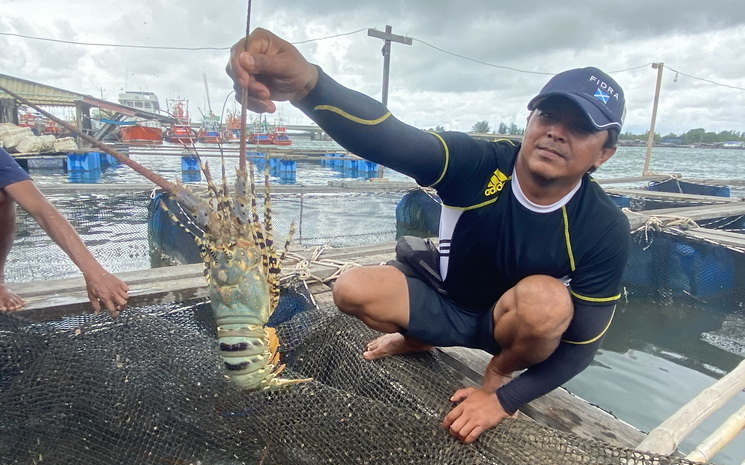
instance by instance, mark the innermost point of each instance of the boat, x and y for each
(259, 133)
(232, 131)
(210, 130)
(140, 130)
(181, 132)
(279, 135)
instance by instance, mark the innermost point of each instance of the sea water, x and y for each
(654, 358)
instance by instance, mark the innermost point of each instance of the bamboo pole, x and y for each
(719, 438)
(665, 438)
(650, 137)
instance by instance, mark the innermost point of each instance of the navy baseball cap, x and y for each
(596, 93)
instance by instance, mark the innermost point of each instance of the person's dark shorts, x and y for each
(434, 319)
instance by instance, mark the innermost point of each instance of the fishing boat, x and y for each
(259, 133)
(210, 131)
(232, 131)
(181, 132)
(279, 135)
(141, 131)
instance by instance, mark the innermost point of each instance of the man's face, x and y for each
(560, 143)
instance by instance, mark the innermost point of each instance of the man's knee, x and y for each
(348, 290)
(544, 305)
(371, 290)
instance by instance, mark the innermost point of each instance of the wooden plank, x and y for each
(704, 212)
(665, 438)
(673, 196)
(727, 238)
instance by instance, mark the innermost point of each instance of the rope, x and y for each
(302, 267)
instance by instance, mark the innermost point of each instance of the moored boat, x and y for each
(210, 130)
(279, 135)
(232, 131)
(259, 133)
(181, 132)
(141, 131)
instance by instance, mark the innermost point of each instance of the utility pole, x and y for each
(650, 139)
(388, 38)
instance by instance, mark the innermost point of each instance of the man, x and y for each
(531, 250)
(104, 289)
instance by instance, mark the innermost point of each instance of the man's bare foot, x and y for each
(392, 344)
(8, 300)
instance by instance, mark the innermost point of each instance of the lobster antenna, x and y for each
(155, 178)
(244, 99)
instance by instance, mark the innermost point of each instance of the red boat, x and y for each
(259, 133)
(279, 135)
(181, 132)
(232, 128)
(141, 131)
(141, 134)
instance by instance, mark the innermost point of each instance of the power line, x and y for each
(483, 62)
(702, 79)
(155, 47)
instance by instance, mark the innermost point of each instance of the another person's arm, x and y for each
(104, 289)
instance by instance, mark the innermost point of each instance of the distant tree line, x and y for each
(693, 136)
(482, 127)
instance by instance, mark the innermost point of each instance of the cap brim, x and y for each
(597, 117)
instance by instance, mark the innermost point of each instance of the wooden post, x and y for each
(665, 438)
(650, 138)
(388, 37)
(719, 438)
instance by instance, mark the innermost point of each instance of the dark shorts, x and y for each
(434, 319)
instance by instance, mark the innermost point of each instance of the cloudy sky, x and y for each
(471, 60)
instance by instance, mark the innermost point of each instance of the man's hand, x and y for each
(271, 69)
(106, 291)
(478, 411)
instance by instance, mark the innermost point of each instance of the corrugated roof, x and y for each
(38, 94)
(44, 95)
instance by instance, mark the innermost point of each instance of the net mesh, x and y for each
(148, 388)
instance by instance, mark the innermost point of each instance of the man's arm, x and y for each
(271, 69)
(104, 289)
(575, 352)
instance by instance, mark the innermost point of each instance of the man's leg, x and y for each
(379, 296)
(529, 320)
(8, 300)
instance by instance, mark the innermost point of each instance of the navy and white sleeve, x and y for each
(366, 128)
(575, 352)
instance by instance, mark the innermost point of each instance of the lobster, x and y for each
(241, 263)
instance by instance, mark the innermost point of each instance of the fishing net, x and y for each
(148, 388)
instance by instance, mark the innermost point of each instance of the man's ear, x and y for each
(604, 156)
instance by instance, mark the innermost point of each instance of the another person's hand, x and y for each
(271, 69)
(9, 301)
(477, 411)
(106, 291)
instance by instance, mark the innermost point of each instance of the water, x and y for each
(653, 360)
